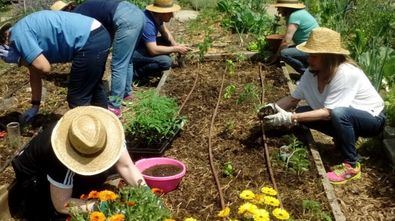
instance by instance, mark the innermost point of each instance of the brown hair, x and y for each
(330, 63)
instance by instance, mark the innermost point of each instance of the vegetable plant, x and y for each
(390, 107)
(250, 94)
(313, 209)
(152, 118)
(228, 169)
(295, 155)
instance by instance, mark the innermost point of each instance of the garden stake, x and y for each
(210, 144)
(267, 156)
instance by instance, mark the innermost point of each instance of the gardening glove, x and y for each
(281, 118)
(266, 110)
(9, 55)
(29, 114)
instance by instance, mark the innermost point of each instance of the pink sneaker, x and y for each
(344, 172)
(116, 111)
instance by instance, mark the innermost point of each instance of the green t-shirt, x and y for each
(305, 21)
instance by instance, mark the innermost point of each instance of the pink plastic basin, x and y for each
(167, 183)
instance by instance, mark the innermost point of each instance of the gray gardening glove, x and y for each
(281, 118)
(267, 110)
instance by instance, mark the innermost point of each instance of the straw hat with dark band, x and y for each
(88, 140)
(60, 5)
(323, 41)
(163, 6)
(289, 4)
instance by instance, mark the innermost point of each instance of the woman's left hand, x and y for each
(281, 118)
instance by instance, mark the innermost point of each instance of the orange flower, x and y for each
(170, 220)
(93, 195)
(117, 217)
(131, 203)
(106, 195)
(97, 216)
(84, 197)
(157, 191)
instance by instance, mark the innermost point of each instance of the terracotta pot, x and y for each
(274, 41)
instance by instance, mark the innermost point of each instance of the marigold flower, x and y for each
(268, 191)
(84, 197)
(259, 198)
(93, 195)
(261, 215)
(280, 214)
(247, 207)
(97, 216)
(190, 219)
(247, 195)
(271, 201)
(224, 213)
(117, 217)
(157, 191)
(106, 195)
(131, 203)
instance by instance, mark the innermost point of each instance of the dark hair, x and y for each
(288, 11)
(3, 31)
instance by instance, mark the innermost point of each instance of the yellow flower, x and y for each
(106, 195)
(247, 195)
(271, 201)
(259, 198)
(117, 217)
(247, 207)
(269, 191)
(170, 220)
(261, 215)
(93, 195)
(97, 216)
(190, 219)
(224, 213)
(281, 214)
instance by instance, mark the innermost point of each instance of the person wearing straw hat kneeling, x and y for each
(68, 159)
(299, 25)
(152, 53)
(342, 102)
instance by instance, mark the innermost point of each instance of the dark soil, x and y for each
(162, 170)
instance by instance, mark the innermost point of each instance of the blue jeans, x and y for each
(87, 69)
(345, 126)
(129, 22)
(146, 65)
(295, 58)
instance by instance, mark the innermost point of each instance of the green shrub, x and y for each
(152, 117)
(390, 107)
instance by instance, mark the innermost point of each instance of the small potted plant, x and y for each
(152, 122)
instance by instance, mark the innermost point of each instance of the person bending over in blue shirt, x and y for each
(47, 37)
(125, 23)
(152, 53)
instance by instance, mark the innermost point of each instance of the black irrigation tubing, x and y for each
(210, 149)
(16, 89)
(266, 154)
(190, 92)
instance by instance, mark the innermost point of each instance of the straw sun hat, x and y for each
(163, 6)
(289, 4)
(88, 140)
(60, 5)
(323, 41)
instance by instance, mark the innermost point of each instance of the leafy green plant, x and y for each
(229, 91)
(153, 117)
(130, 203)
(249, 94)
(313, 208)
(204, 46)
(228, 169)
(230, 66)
(390, 107)
(295, 155)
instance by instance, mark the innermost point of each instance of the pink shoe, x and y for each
(116, 111)
(344, 172)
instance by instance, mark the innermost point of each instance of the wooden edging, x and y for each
(329, 191)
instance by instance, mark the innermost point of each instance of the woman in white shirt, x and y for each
(341, 101)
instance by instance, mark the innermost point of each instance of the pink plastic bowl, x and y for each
(167, 183)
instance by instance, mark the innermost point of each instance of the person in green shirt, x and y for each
(300, 23)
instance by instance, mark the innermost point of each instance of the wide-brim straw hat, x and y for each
(163, 6)
(323, 41)
(289, 4)
(110, 135)
(60, 5)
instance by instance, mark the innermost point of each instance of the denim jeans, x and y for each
(345, 126)
(129, 22)
(146, 65)
(295, 58)
(87, 69)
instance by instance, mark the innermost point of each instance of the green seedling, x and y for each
(249, 94)
(295, 156)
(229, 91)
(228, 169)
(230, 67)
(313, 209)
